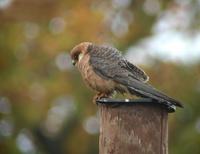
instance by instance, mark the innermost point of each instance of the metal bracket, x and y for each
(118, 102)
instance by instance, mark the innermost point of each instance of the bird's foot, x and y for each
(100, 96)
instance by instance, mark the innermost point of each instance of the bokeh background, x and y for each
(45, 107)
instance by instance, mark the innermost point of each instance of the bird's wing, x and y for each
(136, 71)
(108, 62)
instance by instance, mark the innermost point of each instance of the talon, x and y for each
(100, 96)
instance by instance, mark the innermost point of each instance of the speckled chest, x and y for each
(93, 80)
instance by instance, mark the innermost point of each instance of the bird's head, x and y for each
(79, 51)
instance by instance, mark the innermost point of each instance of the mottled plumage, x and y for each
(105, 70)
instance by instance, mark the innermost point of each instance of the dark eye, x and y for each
(76, 57)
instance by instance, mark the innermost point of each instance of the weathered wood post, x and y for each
(135, 127)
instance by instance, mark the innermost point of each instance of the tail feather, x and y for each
(159, 96)
(139, 88)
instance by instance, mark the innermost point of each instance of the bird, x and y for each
(105, 70)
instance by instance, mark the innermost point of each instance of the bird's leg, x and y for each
(100, 95)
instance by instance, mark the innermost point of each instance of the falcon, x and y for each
(105, 70)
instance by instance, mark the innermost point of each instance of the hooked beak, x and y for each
(73, 62)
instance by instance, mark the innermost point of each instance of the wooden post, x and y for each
(140, 128)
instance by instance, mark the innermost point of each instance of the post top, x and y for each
(118, 102)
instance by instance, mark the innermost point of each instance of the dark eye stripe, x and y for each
(76, 56)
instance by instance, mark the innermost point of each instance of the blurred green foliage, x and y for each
(45, 107)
